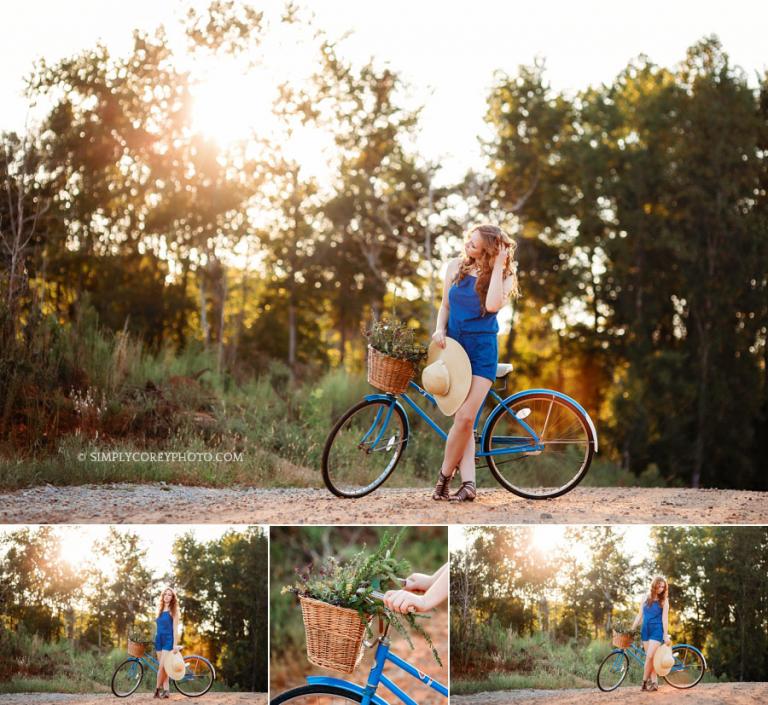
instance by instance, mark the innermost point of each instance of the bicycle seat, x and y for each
(503, 369)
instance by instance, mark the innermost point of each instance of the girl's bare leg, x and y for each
(161, 674)
(650, 649)
(461, 433)
(467, 462)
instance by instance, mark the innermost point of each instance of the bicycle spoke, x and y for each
(553, 450)
(197, 678)
(688, 668)
(363, 448)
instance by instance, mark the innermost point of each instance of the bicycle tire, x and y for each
(385, 475)
(499, 412)
(309, 690)
(698, 657)
(614, 654)
(138, 682)
(210, 684)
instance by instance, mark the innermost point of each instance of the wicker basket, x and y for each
(136, 648)
(388, 373)
(334, 635)
(622, 641)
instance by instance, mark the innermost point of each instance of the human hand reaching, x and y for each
(404, 601)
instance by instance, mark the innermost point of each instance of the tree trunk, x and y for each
(222, 308)
(204, 311)
(291, 333)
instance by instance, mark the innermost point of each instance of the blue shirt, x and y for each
(465, 314)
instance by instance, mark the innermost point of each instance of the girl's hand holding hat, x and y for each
(439, 337)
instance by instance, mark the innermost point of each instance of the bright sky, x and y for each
(78, 540)
(447, 50)
(550, 538)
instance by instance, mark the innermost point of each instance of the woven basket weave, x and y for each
(622, 641)
(334, 635)
(388, 373)
(136, 648)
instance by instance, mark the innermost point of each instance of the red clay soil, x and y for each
(136, 699)
(124, 503)
(703, 694)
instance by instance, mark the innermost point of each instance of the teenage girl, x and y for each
(475, 289)
(166, 638)
(654, 614)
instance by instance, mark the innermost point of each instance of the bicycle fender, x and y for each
(345, 685)
(559, 395)
(388, 398)
(693, 648)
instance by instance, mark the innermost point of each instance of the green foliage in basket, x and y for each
(350, 584)
(625, 629)
(394, 338)
(141, 635)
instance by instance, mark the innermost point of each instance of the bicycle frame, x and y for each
(154, 665)
(520, 444)
(638, 653)
(376, 677)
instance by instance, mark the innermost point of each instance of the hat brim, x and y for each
(660, 662)
(460, 371)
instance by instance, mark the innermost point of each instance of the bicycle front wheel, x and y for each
(316, 695)
(541, 469)
(613, 670)
(364, 447)
(688, 669)
(127, 677)
(198, 677)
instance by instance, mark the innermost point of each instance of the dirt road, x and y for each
(136, 699)
(155, 503)
(704, 694)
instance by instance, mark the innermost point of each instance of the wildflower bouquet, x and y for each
(350, 583)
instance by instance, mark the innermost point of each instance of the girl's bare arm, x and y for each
(498, 288)
(442, 315)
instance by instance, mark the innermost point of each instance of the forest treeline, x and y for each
(511, 599)
(638, 206)
(65, 621)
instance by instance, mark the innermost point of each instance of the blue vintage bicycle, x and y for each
(322, 690)
(537, 443)
(197, 680)
(687, 671)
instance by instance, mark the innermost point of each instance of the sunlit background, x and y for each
(448, 51)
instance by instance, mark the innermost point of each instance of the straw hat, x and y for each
(447, 375)
(174, 666)
(663, 660)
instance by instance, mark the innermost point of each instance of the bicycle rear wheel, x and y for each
(565, 439)
(364, 446)
(127, 677)
(198, 677)
(613, 670)
(317, 695)
(688, 669)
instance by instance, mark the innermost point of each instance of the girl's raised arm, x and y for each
(441, 325)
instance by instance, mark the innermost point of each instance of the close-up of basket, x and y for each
(334, 635)
(136, 648)
(622, 641)
(387, 373)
